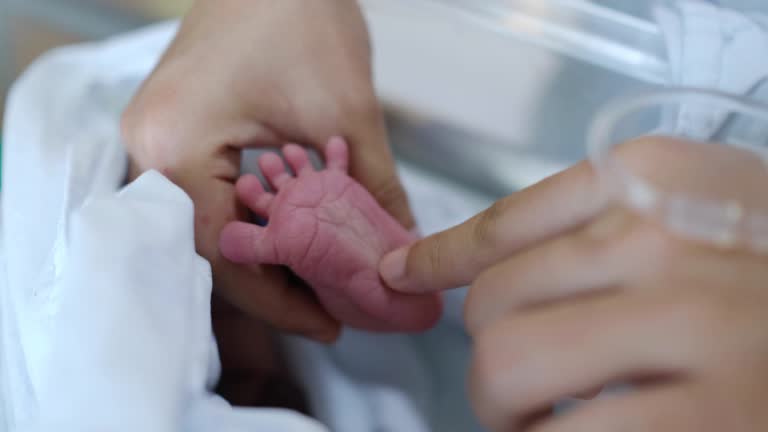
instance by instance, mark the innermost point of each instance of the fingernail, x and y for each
(392, 268)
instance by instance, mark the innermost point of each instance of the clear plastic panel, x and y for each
(497, 94)
(591, 32)
(710, 176)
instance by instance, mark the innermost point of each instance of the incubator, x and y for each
(547, 81)
(482, 97)
(504, 91)
(726, 136)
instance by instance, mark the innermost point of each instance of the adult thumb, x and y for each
(373, 165)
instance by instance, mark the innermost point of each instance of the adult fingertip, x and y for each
(393, 269)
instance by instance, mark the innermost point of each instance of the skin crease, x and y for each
(593, 294)
(331, 232)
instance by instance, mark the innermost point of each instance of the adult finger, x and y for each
(585, 262)
(373, 165)
(531, 360)
(455, 257)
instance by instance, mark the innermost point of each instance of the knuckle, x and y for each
(634, 236)
(596, 247)
(651, 241)
(654, 156)
(435, 254)
(485, 230)
(593, 246)
(425, 259)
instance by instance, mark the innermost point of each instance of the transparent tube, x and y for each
(709, 181)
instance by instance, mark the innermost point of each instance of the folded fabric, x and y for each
(714, 48)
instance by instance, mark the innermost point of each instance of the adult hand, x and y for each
(255, 73)
(571, 293)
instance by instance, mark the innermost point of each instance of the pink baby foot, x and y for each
(331, 232)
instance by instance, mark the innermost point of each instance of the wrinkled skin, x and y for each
(331, 232)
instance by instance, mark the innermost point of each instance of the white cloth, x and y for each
(105, 304)
(132, 344)
(714, 48)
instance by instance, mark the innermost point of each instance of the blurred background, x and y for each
(30, 27)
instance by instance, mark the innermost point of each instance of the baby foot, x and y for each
(331, 232)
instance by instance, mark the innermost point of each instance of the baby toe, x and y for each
(337, 154)
(252, 194)
(298, 159)
(273, 169)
